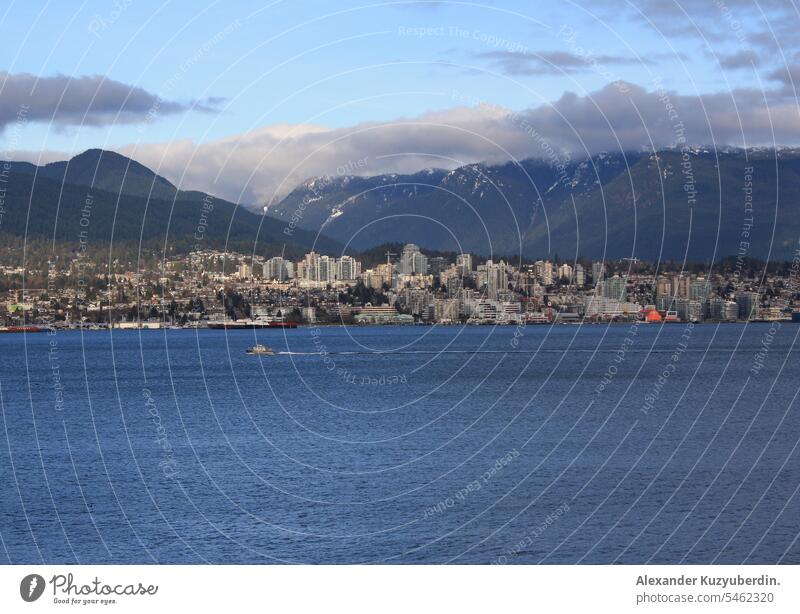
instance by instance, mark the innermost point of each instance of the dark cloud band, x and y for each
(88, 100)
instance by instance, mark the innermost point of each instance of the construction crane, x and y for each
(388, 256)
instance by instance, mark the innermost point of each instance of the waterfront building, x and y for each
(689, 310)
(614, 288)
(699, 289)
(748, 304)
(381, 314)
(602, 306)
(722, 310)
(446, 310)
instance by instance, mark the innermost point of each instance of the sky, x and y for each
(247, 99)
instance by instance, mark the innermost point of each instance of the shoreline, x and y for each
(49, 329)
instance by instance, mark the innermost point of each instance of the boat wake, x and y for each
(398, 352)
(531, 351)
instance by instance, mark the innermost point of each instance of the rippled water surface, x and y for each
(562, 444)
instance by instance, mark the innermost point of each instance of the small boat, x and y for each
(260, 350)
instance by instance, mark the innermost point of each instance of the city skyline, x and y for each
(208, 286)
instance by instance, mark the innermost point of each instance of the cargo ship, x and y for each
(257, 323)
(672, 316)
(21, 329)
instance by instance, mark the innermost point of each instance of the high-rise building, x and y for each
(416, 300)
(245, 271)
(266, 270)
(664, 299)
(454, 285)
(681, 285)
(598, 272)
(347, 268)
(447, 274)
(722, 310)
(277, 268)
(730, 311)
(580, 275)
(464, 264)
(380, 275)
(663, 287)
(310, 267)
(699, 289)
(412, 261)
(688, 310)
(614, 288)
(496, 278)
(748, 304)
(544, 272)
(326, 269)
(437, 264)
(446, 309)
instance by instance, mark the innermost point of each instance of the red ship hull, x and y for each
(282, 325)
(21, 329)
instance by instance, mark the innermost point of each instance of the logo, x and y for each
(31, 587)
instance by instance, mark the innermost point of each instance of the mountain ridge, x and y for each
(607, 206)
(111, 197)
(610, 205)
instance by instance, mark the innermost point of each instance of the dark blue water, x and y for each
(562, 444)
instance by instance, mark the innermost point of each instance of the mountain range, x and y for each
(697, 204)
(116, 200)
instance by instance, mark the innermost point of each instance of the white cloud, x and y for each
(263, 165)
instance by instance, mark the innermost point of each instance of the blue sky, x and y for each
(221, 70)
(144, 44)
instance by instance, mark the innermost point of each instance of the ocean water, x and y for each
(564, 444)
